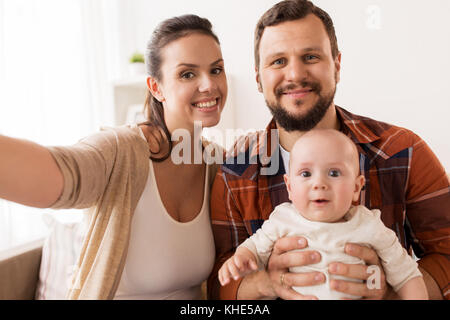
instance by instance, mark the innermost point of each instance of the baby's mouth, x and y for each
(320, 201)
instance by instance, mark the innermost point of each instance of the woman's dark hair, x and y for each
(290, 10)
(167, 31)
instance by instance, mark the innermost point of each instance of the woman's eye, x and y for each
(217, 71)
(187, 75)
(334, 173)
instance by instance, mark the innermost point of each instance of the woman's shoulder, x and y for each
(112, 135)
(112, 141)
(214, 155)
(129, 131)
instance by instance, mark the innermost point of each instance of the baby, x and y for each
(322, 183)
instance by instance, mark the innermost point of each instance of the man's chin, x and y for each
(297, 118)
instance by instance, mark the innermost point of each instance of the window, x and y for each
(55, 70)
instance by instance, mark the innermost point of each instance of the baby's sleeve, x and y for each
(262, 241)
(398, 265)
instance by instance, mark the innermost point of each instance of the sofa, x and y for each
(42, 268)
(19, 271)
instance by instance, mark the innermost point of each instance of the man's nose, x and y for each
(296, 71)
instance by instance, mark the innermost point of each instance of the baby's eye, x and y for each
(334, 173)
(305, 174)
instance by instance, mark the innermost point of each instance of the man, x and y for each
(297, 64)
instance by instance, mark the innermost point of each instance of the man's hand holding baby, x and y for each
(360, 272)
(283, 258)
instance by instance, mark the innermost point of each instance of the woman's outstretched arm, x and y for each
(28, 173)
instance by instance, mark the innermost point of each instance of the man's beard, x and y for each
(304, 122)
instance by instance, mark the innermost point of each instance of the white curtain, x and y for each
(57, 61)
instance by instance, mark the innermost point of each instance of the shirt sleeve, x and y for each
(262, 241)
(398, 265)
(428, 214)
(229, 231)
(86, 167)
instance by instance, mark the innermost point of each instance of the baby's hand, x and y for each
(240, 264)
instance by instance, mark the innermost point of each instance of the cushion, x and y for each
(59, 256)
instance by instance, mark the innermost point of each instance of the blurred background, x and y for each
(65, 70)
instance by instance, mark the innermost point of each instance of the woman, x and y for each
(149, 235)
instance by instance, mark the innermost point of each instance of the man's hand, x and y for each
(357, 271)
(156, 139)
(282, 259)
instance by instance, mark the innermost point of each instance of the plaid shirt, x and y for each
(404, 179)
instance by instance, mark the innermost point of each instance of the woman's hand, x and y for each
(282, 259)
(372, 291)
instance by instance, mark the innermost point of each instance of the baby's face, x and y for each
(324, 176)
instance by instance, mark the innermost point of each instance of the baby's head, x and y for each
(324, 177)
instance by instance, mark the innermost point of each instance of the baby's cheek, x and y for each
(346, 196)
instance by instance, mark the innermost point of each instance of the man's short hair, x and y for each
(290, 10)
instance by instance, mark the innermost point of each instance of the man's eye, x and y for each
(310, 57)
(187, 75)
(334, 173)
(279, 61)
(305, 174)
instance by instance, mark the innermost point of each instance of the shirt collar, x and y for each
(351, 125)
(355, 127)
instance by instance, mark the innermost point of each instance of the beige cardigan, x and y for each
(105, 172)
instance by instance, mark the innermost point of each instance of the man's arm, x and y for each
(229, 231)
(428, 214)
(434, 292)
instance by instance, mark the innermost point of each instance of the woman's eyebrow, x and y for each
(217, 61)
(191, 65)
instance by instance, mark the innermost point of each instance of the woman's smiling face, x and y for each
(193, 85)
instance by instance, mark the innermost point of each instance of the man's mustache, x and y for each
(314, 86)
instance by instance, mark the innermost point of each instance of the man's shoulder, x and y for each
(242, 159)
(386, 137)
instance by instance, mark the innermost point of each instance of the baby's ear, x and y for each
(288, 185)
(359, 184)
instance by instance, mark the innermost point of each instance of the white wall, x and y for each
(395, 57)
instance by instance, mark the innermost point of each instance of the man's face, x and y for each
(297, 72)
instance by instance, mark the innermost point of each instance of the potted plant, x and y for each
(137, 63)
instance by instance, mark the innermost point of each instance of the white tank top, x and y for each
(166, 259)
